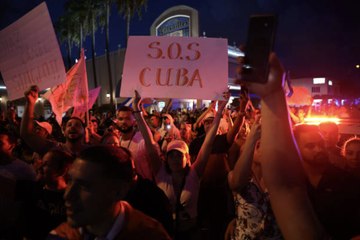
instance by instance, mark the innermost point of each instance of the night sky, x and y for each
(314, 38)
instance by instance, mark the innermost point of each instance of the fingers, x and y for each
(32, 92)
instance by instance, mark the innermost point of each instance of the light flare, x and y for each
(316, 120)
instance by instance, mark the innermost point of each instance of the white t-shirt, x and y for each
(136, 146)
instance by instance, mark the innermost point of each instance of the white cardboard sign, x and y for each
(30, 54)
(175, 67)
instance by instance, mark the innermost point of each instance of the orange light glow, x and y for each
(316, 120)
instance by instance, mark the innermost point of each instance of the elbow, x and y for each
(235, 184)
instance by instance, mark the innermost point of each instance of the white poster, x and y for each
(30, 54)
(175, 67)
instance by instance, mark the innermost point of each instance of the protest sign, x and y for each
(175, 67)
(30, 54)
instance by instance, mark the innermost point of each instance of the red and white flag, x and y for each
(72, 93)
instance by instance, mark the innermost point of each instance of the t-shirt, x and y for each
(136, 145)
(189, 195)
(336, 202)
(18, 170)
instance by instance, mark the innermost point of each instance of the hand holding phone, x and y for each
(259, 45)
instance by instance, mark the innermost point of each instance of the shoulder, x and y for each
(23, 170)
(140, 226)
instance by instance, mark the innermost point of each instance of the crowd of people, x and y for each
(215, 173)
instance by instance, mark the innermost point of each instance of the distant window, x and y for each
(315, 89)
(318, 80)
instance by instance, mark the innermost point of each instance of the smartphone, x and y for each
(259, 45)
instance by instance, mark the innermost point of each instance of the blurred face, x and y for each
(154, 121)
(95, 125)
(166, 120)
(74, 130)
(207, 124)
(112, 140)
(184, 130)
(6, 146)
(126, 121)
(176, 160)
(312, 149)
(49, 168)
(352, 155)
(89, 197)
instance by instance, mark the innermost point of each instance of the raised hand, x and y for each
(275, 79)
(222, 103)
(31, 95)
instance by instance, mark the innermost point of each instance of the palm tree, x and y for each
(66, 33)
(128, 8)
(77, 11)
(95, 12)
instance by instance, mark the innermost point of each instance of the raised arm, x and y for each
(197, 124)
(239, 120)
(282, 170)
(154, 157)
(240, 175)
(37, 143)
(205, 150)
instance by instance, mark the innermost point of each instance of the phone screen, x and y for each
(259, 44)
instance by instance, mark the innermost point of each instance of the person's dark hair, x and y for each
(10, 134)
(304, 128)
(62, 159)
(116, 163)
(329, 125)
(125, 109)
(79, 119)
(63, 125)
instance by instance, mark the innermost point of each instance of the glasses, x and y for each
(164, 118)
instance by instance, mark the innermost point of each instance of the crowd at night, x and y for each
(239, 172)
(206, 145)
